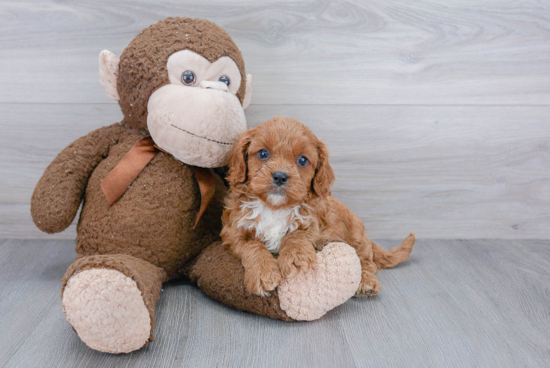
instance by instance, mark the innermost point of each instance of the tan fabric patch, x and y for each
(334, 280)
(107, 311)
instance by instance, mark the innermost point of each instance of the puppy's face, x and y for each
(282, 163)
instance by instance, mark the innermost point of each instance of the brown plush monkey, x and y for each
(151, 207)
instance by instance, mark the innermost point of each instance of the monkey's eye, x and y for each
(302, 161)
(188, 77)
(225, 79)
(263, 154)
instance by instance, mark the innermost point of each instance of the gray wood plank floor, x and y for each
(471, 303)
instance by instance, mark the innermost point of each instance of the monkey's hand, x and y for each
(58, 194)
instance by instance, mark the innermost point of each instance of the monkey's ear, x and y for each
(108, 73)
(248, 91)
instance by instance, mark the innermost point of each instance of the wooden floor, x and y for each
(474, 303)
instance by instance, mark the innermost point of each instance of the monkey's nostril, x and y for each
(214, 85)
(280, 178)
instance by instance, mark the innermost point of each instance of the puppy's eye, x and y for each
(263, 154)
(188, 77)
(302, 161)
(225, 79)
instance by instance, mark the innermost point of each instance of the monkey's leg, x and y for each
(110, 301)
(306, 297)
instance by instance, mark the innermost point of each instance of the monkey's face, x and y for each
(197, 116)
(183, 80)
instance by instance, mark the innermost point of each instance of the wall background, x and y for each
(437, 114)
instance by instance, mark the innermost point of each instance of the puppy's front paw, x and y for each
(297, 261)
(369, 286)
(262, 278)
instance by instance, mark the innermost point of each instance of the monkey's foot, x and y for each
(333, 281)
(107, 311)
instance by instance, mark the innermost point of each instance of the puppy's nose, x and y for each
(280, 178)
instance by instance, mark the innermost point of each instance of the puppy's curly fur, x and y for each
(290, 217)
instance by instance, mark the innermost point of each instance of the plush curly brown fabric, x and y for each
(58, 194)
(142, 67)
(152, 221)
(221, 276)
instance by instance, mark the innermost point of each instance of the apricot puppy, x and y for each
(279, 203)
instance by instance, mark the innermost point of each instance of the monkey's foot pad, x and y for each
(107, 311)
(333, 281)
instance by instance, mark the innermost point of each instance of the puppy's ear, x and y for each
(238, 169)
(324, 176)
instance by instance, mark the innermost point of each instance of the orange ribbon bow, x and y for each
(133, 163)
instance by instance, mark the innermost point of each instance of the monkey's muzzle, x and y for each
(196, 125)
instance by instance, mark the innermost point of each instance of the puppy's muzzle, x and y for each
(280, 178)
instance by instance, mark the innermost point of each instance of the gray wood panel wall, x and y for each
(437, 113)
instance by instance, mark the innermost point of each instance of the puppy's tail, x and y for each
(391, 258)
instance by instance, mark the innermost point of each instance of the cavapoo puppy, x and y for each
(279, 202)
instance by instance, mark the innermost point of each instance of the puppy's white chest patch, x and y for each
(270, 225)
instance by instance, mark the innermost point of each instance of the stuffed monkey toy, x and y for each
(152, 195)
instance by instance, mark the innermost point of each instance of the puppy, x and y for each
(279, 202)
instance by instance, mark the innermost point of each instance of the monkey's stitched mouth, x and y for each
(198, 136)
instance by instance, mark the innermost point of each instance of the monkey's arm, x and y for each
(58, 194)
